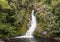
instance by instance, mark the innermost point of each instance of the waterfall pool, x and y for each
(32, 40)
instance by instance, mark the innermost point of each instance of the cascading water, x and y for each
(33, 25)
(30, 31)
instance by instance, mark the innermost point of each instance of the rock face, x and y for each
(1, 40)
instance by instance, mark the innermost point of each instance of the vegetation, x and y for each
(15, 17)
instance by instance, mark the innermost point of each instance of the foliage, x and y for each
(49, 21)
(13, 21)
(15, 18)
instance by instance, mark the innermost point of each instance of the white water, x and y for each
(30, 31)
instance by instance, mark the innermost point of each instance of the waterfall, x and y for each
(30, 31)
(33, 25)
